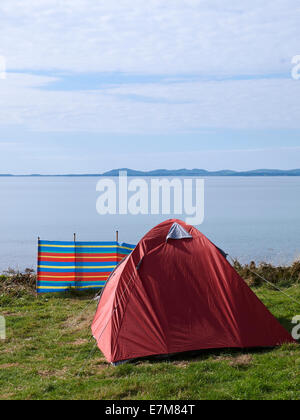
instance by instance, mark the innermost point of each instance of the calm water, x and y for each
(250, 218)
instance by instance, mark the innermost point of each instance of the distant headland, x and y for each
(203, 172)
(175, 172)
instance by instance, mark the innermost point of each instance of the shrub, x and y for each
(278, 275)
(14, 282)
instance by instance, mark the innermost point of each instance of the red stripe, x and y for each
(95, 279)
(96, 260)
(41, 260)
(112, 260)
(52, 255)
(81, 259)
(78, 275)
(92, 278)
(90, 275)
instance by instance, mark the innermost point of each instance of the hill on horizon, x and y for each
(173, 172)
(203, 172)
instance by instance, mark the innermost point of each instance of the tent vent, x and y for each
(178, 232)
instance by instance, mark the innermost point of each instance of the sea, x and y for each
(250, 218)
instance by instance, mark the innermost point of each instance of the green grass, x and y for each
(49, 354)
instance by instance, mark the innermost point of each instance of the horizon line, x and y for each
(166, 172)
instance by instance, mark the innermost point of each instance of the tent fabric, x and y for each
(177, 296)
(178, 232)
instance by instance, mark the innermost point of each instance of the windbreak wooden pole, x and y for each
(117, 236)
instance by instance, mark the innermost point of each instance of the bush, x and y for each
(14, 282)
(283, 276)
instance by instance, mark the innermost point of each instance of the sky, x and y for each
(95, 85)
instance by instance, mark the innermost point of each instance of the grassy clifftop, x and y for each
(49, 353)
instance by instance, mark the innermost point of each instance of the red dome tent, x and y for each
(176, 292)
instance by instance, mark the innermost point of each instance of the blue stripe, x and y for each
(71, 283)
(108, 243)
(56, 283)
(84, 251)
(50, 290)
(94, 270)
(96, 250)
(56, 263)
(55, 250)
(66, 288)
(55, 270)
(128, 245)
(89, 248)
(56, 243)
(97, 243)
(79, 264)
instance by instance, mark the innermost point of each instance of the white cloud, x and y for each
(180, 107)
(172, 37)
(157, 36)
